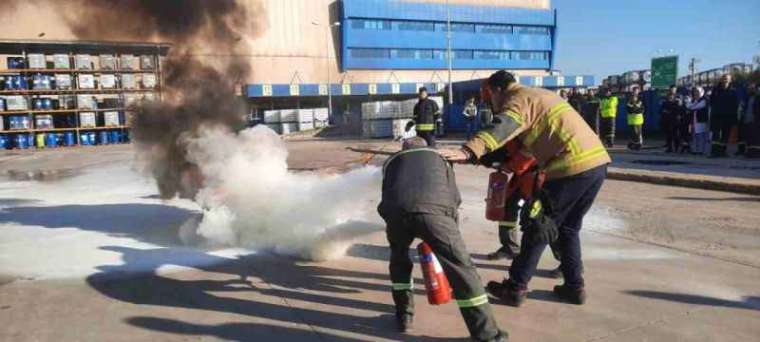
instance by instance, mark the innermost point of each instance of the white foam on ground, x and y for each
(101, 220)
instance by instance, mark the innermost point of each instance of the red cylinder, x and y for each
(498, 193)
(436, 283)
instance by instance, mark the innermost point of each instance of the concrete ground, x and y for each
(662, 264)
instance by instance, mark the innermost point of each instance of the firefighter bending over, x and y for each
(420, 199)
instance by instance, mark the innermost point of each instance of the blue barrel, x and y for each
(51, 140)
(125, 137)
(104, 138)
(47, 103)
(4, 142)
(2, 104)
(9, 82)
(84, 139)
(37, 104)
(21, 141)
(115, 137)
(68, 139)
(91, 138)
(21, 82)
(30, 140)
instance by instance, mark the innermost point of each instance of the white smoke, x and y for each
(251, 200)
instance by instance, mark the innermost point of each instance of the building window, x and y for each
(483, 54)
(458, 27)
(462, 54)
(531, 55)
(415, 26)
(411, 54)
(370, 53)
(371, 24)
(538, 30)
(494, 29)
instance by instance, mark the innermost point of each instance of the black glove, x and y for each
(409, 126)
(538, 227)
(498, 156)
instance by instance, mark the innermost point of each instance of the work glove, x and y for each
(537, 227)
(409, 126)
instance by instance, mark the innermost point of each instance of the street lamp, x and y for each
(328, 31)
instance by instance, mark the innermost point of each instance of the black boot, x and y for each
(507, 292)
(502, 253)
(404, 322)
(571, 295)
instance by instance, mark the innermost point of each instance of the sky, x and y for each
(608, 37)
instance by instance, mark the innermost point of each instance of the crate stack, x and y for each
(54, 95)
(386, 119)
(287, 121)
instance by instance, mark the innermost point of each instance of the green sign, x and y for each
(664, 71)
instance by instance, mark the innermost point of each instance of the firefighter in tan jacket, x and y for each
(575, 164)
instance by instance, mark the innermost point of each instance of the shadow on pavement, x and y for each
(267, 276)
(734, 199)
(750, 303)
(142, 222)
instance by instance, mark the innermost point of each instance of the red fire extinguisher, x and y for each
(436, 283)
(498, 192)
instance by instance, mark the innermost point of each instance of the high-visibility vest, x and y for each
(608, 107)
(635, 119)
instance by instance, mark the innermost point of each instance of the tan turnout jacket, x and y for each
(549, 128)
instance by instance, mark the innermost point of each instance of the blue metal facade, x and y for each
(283, 90)
(393, 34)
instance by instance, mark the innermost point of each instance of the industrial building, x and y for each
(338, 54)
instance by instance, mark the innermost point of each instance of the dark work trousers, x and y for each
(684, 135)
(509, 230)
(672, 135)
(471, 126)
(570, 199)
(744, 131)
(753, 140)
(637, 136)
(720, 127)
(607, 128)
(429, 137)
(441, 232)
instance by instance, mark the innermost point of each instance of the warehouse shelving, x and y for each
(68, 119)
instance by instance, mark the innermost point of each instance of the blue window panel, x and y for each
(549, 81)
(491, 28)
(384, 88)
(413, 26)
(441, 64)
(405, 10)
(360, 89)
(537, 30)
(254, 90)
(459, 27)
(309, 90)
(281, 90)
(408, 88)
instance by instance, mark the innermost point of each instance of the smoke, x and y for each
(191, 140)
(250, 199)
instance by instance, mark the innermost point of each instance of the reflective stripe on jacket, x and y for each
(549, 128)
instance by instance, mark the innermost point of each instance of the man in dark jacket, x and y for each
(426, 113)
(753, 128)
(724, 109)
(590, 110)
(421, 200)
(671, 115)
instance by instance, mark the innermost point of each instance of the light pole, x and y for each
(328, 37)
(448, 50)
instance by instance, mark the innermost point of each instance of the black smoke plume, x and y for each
(196, 90)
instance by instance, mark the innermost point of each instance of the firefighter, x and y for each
(420, 199)
(574, 161)
(426, 115)
(608, 111)
(635, 108)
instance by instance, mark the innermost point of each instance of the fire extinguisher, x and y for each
(436, 283)
(498, 191)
